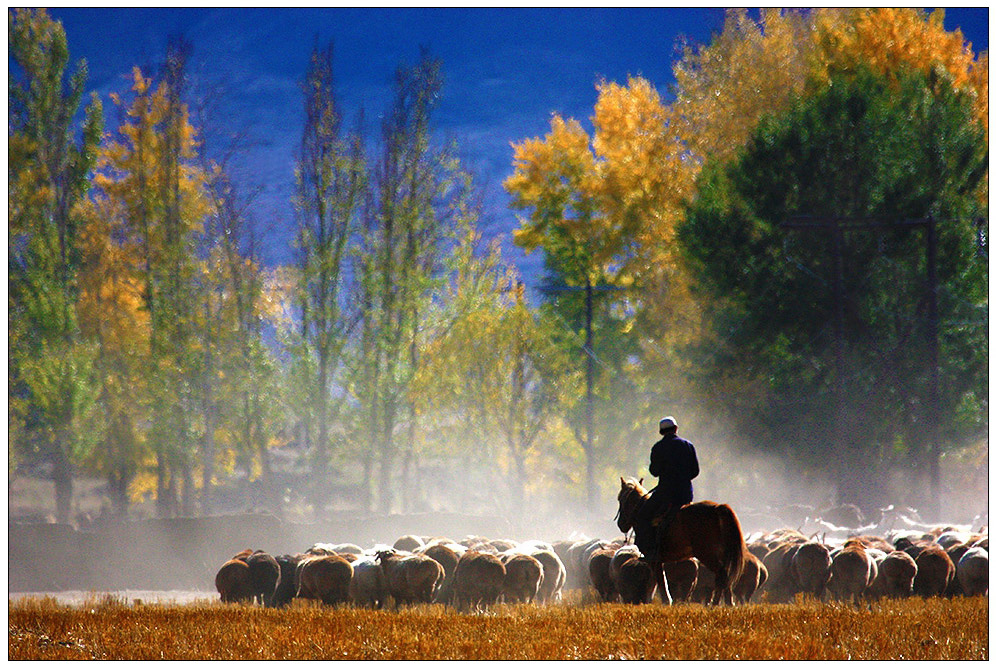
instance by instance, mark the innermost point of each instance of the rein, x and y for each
(626, 502)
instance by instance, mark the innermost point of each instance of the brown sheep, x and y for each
(232, 582)
(447, 559)
(955, 552)
(411, 579)
(264, 577)
(554, 576)
(408, 543)
(479, 580)
(287, 585)
(914, 548)
(523, 576)
(751, 579)
(782, 536)
(501, 545)
(851, 572)
(972, 572)
(635, 581)
(896, 572)
(758, 548)
(781, 585)
(811, 568)
(324, 578)
(880, 543)
(934, 572)
(599, 577)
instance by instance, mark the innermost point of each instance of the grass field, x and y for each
(108, 629)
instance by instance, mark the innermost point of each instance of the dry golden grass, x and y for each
(934, 629)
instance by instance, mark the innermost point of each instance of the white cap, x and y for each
(667, 422)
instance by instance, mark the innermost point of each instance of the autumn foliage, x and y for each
(151, 344)
(621, 191)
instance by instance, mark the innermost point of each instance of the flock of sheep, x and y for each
(477, 572)
(473, 574)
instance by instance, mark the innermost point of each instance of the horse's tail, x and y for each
(734, 546)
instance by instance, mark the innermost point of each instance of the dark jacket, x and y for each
(673, 461)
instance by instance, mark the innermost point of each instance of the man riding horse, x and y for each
(673, 461)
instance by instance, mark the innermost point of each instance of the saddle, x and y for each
(664, 518)
(659, 524)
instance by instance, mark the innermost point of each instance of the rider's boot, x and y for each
(660, 525)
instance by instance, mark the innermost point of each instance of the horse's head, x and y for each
(631, 494)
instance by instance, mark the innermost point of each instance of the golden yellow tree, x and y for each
(618, 194)
(111, 313)
(491, 377)
(888, 40)
(150, 173)
(750, 69)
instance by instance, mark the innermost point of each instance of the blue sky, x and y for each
(505, 72)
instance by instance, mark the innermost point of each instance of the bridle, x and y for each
(626, 502)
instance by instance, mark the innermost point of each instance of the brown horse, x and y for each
(705, 530)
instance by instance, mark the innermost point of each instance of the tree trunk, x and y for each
(62, 477)
(162, 486)
(272, 497)
(387, 461)
(117, 483)
(189, 490)
(207, 456)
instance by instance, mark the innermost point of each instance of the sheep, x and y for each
(324, 578)
(264, 577)
(682, 577)
(751, 579)
(523, 576)
(287, 585)
(232, 581)
(367, 586)
(635, 580)
(811, 567)
(598, 574)
(447, 558)
(410, 578)
(973, 571)
(934, 571)
(896, 572)
(851, 572)
(479, 580)
(409, 543)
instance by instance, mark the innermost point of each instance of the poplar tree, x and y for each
(330, 182)
(419, 205)
(51, 380)
(152, 173)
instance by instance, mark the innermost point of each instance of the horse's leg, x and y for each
(722, 590)
(661, 579)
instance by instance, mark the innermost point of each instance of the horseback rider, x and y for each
(673, 461)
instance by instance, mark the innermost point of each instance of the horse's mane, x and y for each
(634, 483)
